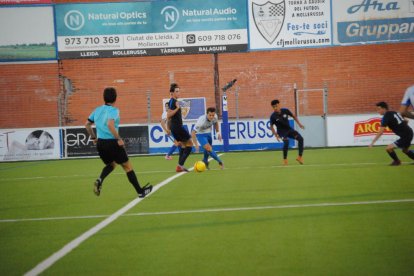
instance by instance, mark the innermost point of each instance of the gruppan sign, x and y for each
(373, 21)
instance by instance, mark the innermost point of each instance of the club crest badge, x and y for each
(185, 108)
(269, 18)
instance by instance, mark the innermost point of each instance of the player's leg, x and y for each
(408, 152)
(212, 152)
(105, 151)
(285, 149)
(187, 150)
(181, 136)
(188, 145)
(392, 154)
(205, 142)
(405, 142)
(123, 159)
(170, 152)
(299, 138)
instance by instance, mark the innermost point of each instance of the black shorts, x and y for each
(291, 133)
(109, 151)
(180, 134)
(405, 140)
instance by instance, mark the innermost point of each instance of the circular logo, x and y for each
(171, 16)
(74, 20)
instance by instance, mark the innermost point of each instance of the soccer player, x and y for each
(165, 127)
(280, 118)
(399, 126)
(202, 133)
(407, 101)
(177, 128)
(110, 146)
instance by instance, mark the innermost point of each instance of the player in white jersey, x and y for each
(407, 101)
(202, 133)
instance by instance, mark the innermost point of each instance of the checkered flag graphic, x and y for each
(276, 10)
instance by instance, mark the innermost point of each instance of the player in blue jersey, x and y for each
(407, 101)
(202, 133)
(280, 118)
(177, 129)
(399, 126)
(110, 146)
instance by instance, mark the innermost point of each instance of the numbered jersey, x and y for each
(396, 123)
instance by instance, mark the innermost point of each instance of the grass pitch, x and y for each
(345, 212)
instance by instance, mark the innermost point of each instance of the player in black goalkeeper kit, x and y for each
(280, 118)
(399, 126)
(177, 128)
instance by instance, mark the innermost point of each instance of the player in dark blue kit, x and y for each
(177, 128)
(399, 126)
(280, 118)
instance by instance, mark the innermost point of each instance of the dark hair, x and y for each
(109, 95)
(173, 86)
(383, 105)
(211, 109)
(274, 102)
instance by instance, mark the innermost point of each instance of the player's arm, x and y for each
(274, 132)
(379, 133)
(195, 142)
(112, 129)
(164, 126)
(218, 134)
(405, 112)
(89, 129)
(171, 112)
(297, 121)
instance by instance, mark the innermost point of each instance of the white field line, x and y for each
(45, 264)
(42, 266)
(326, 204)
(169, 171)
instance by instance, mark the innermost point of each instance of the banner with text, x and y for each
(243, 135)
(150, 28)
(368, 21)
(357, 130)
(30, 144)
(77, 142)
(289, 23)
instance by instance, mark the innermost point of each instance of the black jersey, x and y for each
(281, 120)
(396, 123)
(176, 120)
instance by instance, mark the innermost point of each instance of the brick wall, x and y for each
(356, 77)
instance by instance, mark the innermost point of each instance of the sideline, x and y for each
(217, 210)
(296, 166)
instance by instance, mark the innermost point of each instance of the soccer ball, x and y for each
(199, 166)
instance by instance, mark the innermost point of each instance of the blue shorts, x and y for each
(204, 138)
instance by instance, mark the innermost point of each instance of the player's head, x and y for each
(382, 107)
(275, 105)
(109, 95)
(166, 106)
(211, 112)
(174, 90)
